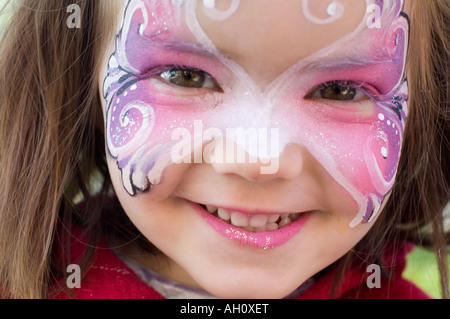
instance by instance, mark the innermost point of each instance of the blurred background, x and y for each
(421, 267)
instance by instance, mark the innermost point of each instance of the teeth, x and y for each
(259, 220)
(211, 209)
(260, 229)
(253, 223)
(224, 214)
(284, 221)
(273, 218)
(239, 219)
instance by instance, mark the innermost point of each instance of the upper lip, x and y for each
(253, 211)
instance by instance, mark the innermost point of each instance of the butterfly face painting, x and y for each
(170, 71)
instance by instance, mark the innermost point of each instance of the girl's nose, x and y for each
(287, 166)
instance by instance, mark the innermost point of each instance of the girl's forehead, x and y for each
(280, 33)
(266, 37)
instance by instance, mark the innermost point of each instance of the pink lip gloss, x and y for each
(264, 240)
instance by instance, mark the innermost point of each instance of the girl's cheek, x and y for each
(360, 150)
(144, 122)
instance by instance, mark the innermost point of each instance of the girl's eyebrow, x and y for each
(322, 63)
(345, 61)
(188, 47)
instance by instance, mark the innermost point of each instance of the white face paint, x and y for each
(318, 95)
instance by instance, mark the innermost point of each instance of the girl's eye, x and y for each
(336, 91)
(189, 78)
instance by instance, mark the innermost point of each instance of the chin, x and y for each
(252, 284)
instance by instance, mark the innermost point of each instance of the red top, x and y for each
(110, 278)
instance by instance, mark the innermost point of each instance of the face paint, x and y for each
(360, 152)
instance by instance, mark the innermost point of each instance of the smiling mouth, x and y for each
(252, 222)
(257, 229)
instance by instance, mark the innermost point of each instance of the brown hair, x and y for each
(422, 189)
(50, 137)
(52, 143)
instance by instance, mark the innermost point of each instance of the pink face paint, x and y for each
(360, 153)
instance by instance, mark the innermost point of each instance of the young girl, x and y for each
(231, 149)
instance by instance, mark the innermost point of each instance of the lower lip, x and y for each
(263, 240)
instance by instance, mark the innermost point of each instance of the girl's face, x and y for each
(254, 142)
